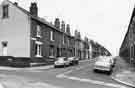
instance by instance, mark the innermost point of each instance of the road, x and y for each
(80, 76)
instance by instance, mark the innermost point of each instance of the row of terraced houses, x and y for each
(127, 49)
(24, 34)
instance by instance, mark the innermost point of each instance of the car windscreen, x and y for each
(104, 60)
(60, 58)
(71, 58)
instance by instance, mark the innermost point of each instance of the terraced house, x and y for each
(24, 34)
(127, 49)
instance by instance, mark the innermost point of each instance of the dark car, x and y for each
(73, 60)
(76, 61)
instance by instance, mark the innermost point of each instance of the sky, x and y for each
(104, 21)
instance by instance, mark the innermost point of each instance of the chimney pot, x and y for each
(15, 3)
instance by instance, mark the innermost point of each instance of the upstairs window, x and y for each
(51, 35)
(5, 11)
(63, 40)
(38, 31)
(68, 42)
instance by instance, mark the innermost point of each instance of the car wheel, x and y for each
(109, 72)
(95, 70)
(55, 66)
(64, 65)
(77, 62)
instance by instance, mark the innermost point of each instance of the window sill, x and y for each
(38, 36)
(38, 42)
(38, 56)
(52, 40)
(51, 57)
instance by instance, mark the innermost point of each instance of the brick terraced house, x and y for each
(127, 49)
(24, 34)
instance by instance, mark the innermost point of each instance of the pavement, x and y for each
(123, 73)
(31, 68)
(27, 68)
(126, 77)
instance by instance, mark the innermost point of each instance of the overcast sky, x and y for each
(104, 21)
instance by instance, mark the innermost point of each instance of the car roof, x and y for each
(61, 57)
(71, 57)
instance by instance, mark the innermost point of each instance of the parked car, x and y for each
(103, 64)
(113, 60)
(61, 61)
(76, 60)
(73, 60)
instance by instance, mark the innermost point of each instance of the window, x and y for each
(63, 40)
(68, 42)
(52, 36)
(5, 11)
(38, 51)
(38, 31)
(51, 51)
(131, 34)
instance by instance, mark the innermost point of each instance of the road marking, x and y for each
(91, 81)
(64, 75)
(43, 85)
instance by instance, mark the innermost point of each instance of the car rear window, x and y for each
(61, 58)
(65, 58)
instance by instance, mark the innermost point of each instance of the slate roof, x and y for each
(42, 20)
(34, 17)
(131, 19)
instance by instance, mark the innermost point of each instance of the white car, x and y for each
(103, 64)
(113, 60)
(61, 61)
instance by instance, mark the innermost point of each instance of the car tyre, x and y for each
(109, 72)
(77, 62)
(64, 65)
(95, 70)
(55, 66)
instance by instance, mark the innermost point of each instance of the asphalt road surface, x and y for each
(79, 76)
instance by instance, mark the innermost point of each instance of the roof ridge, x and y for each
(36, 17)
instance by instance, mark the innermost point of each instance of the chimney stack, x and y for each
(15, 3)
(63, 26)
(57, 23)
(68, 29)
(34, 9)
